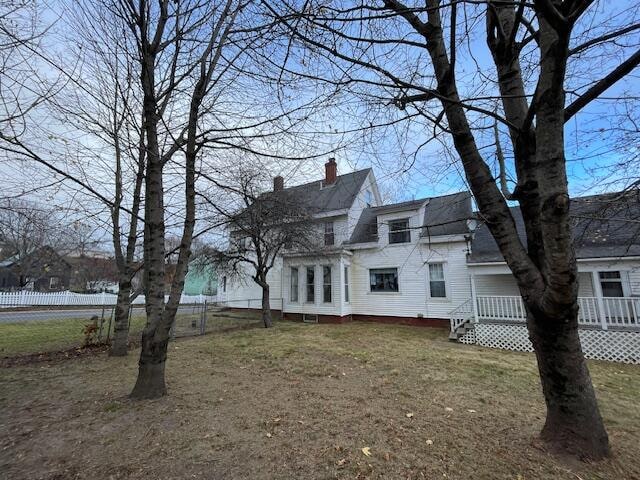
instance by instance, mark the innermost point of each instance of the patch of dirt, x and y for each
(53, 357)
(303, 401)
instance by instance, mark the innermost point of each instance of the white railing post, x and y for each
(474, 299)
(598, 291)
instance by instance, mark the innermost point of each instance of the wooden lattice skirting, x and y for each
(614, 346)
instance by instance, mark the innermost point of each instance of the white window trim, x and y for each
(447, 287)
(624, 280)
(369, 292)
(323, 284)
(408, 230)
(291, 267)
(315, 285)
(346, 287)
(332, 233)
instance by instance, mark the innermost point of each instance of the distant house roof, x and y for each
(320, 198)
(445, 215)
(604, 226)
(8, 262)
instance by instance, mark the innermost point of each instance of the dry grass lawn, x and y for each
(301, 402)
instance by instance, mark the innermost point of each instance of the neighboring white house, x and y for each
(429, 261)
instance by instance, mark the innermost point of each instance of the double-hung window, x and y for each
(294, 285)
(310, 284)
(346, 284)
(611, 284)
(399, 231)
(437, 284)
(383, 279)
(326, 284)
(329, 237)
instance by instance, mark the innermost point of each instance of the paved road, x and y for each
(40, 314)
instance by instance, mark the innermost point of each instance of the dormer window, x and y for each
(329, 237)
(399, 231)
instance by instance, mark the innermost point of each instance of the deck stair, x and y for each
(461, 320)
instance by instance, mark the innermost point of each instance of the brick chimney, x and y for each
(278, 183)
(330, 172)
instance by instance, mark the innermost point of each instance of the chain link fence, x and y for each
(45, 329)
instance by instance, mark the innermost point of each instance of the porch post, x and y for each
(474, 299)
(597, 289)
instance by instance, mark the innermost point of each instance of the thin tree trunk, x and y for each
(266, 307)
(155, 336)
(573, 424)
(120, 341)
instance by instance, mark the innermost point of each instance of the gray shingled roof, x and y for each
(603, 226)
(339, 196)
(446, 215)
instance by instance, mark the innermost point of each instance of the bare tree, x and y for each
(185, 51)
(405, 55)
(261, 226)
(108, 152)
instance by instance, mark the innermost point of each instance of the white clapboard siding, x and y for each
(413, 297)
(243, 292)
(505, 285)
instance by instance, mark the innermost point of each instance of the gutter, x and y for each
(579, 260)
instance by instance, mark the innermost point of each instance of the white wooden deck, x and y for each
(619, 313)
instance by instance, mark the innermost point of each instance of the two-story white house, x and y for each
(403, 262)
(431, 262)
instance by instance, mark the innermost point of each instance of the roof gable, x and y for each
(445, 215)
(320, 198)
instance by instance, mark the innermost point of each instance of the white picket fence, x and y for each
(26, 298)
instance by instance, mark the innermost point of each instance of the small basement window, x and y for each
(383, 279)
(309, 318)
(399, 231)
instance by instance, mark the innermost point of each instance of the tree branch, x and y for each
(600, 87)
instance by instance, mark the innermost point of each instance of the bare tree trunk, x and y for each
(266, 307)
(150, 382)
(573, 423)
(120, 342)
(155, 336)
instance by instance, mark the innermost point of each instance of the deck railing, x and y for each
(461, 314)
(603, 312)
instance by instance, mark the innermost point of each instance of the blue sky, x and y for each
(594, 145)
